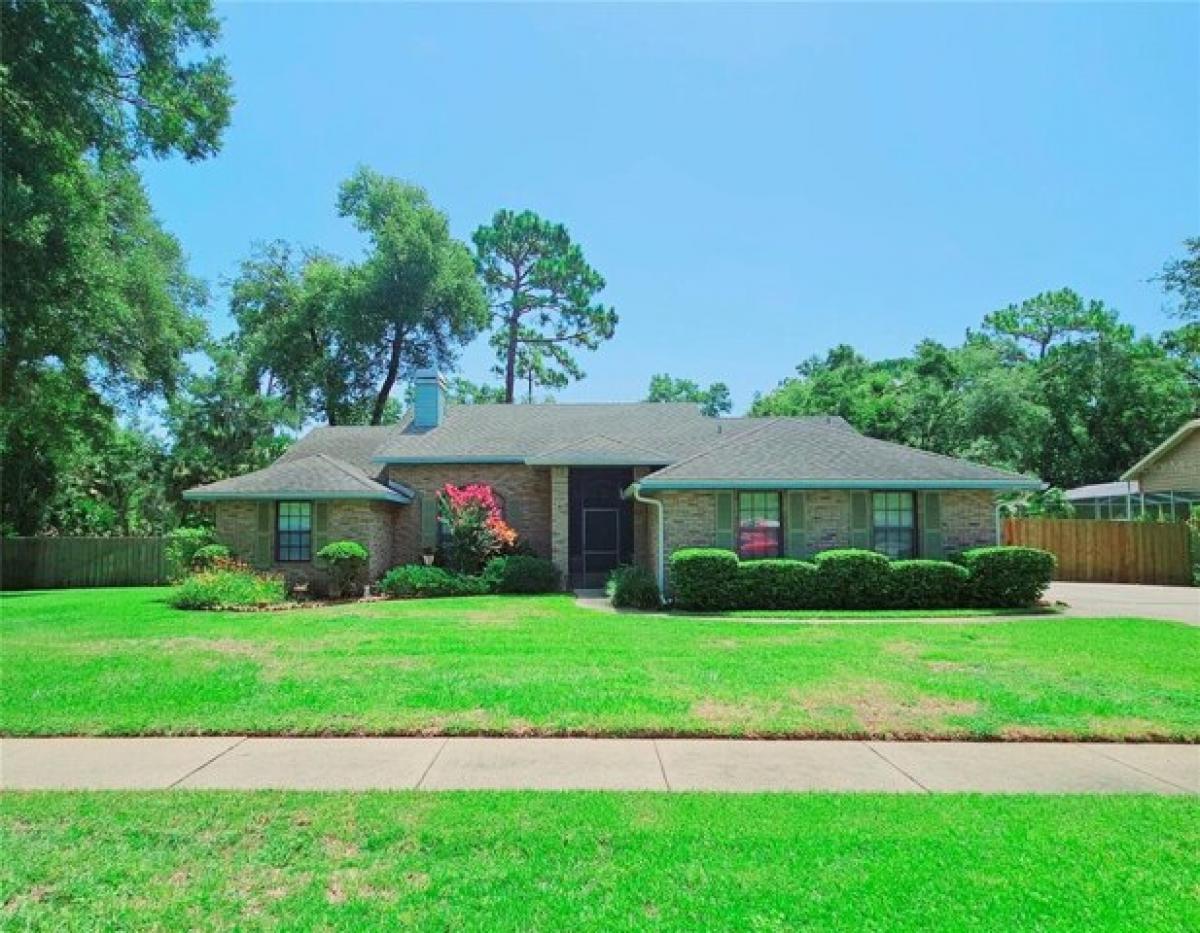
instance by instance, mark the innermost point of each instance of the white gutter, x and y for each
(660, 563)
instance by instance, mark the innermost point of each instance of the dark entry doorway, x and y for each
(600, 527)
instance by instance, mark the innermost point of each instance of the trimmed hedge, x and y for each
(521, 573)
(710, 579)
(852, 578)
(1008, 576)
(776, 584)
(704, 579)
(633, 588)
(928, 584)
(418, 580)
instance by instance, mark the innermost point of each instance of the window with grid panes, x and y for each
(894, 523)
(293, 531)
(759, 526)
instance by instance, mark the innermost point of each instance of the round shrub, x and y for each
(850, 578)
(521, 573)
(927, 584)
(346, 564)
(182, 545)
(704, 579)
(1004, 577)
(776, 584)
(207, 557)
(633, 588)
(417, 580)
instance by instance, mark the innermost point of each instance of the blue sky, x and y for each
(756, 183)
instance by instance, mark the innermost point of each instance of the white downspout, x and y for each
(660, 557)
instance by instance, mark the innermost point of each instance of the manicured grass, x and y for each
(529, 861)
(111, 662)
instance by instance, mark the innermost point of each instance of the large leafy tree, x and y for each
(713, 401)
(1180, 279)
(333, 338)
(1055, 386)
(97, 307)
(543, 296)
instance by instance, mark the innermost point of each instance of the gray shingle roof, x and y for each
(318, 476)
(517, 432)
(599, 450)
(802, 453)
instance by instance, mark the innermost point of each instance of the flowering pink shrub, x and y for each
(475, 527)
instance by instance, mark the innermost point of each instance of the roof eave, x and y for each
(298, 494)
(1004, 485)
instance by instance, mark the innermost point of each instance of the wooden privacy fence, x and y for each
(50, 563)
(1109, 552)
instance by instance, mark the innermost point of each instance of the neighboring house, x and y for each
(1165, 483)
(595, 486)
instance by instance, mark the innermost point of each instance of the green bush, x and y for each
(210, 556)
(417, 580)
(1002, 577)
(231, 586)
(182, 545)
(346, 564)
(927, 584)
(776, 584)
(521, 573)
(633, 588)
(850, 578)
(705, 579)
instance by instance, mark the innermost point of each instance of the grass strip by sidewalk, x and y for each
(574, 861)
(121, 662)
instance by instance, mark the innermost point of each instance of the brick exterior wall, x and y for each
(968, 519)
(559, 518)
(827, 515)
(689, 519)
(365, 521)
(526, 492)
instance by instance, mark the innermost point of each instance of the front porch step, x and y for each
(594, 593)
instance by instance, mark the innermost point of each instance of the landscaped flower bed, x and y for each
(711, 579)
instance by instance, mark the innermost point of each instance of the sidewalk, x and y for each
(233, 762)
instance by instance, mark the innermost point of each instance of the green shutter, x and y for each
(860, 519)
(797, 527)
(724, 530)
(320, 525)
(428, 507)
(263, 551)
(931, 525)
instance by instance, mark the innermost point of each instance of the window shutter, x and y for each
(932, 545)
(428, 520)
(797, 528)
(860, 520)
(263, 550)
(724, 530)
(320, 536)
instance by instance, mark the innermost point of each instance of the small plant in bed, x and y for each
(417, 580)
(228, 585)
(346, 564)
(633, 588)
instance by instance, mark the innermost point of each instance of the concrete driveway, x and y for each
(1099, 600)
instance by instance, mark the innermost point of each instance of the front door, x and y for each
(600, 527)
(601, 544)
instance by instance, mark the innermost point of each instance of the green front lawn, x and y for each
(112, 662)
(529, 861)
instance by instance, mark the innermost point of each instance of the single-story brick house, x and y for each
(594, 486)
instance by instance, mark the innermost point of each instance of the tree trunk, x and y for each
(389, 379)
(510, 362)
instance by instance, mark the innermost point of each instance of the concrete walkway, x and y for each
(232, 762)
